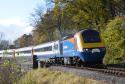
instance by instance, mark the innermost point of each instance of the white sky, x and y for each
(14, 17)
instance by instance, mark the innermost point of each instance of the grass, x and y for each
(45, 76)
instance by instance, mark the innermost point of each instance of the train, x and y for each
(83, 47)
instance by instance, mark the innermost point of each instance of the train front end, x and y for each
(90, 46)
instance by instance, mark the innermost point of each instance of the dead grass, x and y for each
(45, 76)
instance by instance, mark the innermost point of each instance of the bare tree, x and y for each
(1, 36)
(4, 44)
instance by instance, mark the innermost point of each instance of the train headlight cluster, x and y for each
(93, 50)
(87, 50)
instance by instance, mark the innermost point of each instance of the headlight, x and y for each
(86, 50)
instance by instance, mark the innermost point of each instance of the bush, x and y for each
(10, 72)
(114, 37)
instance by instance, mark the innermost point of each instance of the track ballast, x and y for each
(119, 72)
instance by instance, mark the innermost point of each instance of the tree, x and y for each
(115, 7)
(114, 37)
(45, 28)
(4, 44)
(24, 40)
(81, 14)
(1, 36)
(69, 16)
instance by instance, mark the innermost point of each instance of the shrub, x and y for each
(9, 72)
(114, 37)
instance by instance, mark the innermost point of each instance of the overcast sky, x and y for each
(14, 17)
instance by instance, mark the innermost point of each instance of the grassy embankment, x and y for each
(10, 74)
(45, 76)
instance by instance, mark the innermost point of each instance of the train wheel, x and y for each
(40, 64)
(62, 61)
(71, 61)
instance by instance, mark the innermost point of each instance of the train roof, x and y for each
(7, 50)
(68, 36)
(72, 35)
(1, 51)
(45, 44)
(88, 30)
(24, 49)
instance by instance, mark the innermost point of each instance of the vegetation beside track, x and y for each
(10, 71)
(114, 37)
(45, 76)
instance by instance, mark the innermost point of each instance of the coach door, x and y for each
(56, 48)
(61, 48)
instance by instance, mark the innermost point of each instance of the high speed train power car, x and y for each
(83, 47)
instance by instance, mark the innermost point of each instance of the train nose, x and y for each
(93, 55)
(94, 50)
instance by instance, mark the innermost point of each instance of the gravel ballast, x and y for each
(110, 79)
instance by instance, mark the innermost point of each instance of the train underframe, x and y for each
(73, 61)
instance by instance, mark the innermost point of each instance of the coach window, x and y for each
(39, 50)
(44, 49)
(17, 53)
(56, 47)
(29, 51)
(48, 48)
(10, 53)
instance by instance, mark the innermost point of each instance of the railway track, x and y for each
(119, 72)
(110, 70)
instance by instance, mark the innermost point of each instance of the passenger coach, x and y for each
(7, 53)
(23, 52)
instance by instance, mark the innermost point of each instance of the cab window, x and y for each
(91, 36)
